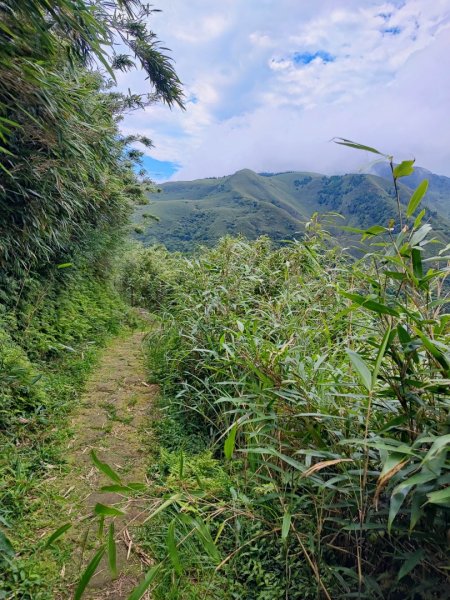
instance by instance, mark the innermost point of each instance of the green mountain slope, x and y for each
(438, 195)
(201, 211)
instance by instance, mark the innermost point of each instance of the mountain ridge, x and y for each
(201, 211)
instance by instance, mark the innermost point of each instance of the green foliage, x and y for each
(193, 213)
(66, 190)
(322, 384)
(43, 367)
(147, 276)
(177, 434)
(53, 324)
(192, 472)
(88, 573)
(21, 388)
(67, 172)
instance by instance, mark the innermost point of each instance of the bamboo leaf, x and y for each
(374, 230)
(140, 590)
(181, 464)
(56, 534)
(272, 452)
(380, 355)
(393, 464)
(112, 551)
(125, 490)
(441, 443)
(230, 442)
(372, 305)
(172, 548)
(361, 368)
(441, 497)
(324, 464)
(162, 506)
(418, 502)
(219, 531)
(136, 486)
(404, 169)
(416, 258)
(286, 525)
(419, 218)
(396, 503)
(433, 350)
(417, 196)
(351, 229)
(105, 468)
(400, 492)
(356, 146)
(419, 235)
(88, 574)
(101, 525)
(412, 561)
(205, 537)
(102, 510)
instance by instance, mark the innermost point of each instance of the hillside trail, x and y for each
(112, 419)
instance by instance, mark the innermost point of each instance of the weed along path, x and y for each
(111, 421)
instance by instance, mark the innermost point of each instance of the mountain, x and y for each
(274, 204)
(438, 194)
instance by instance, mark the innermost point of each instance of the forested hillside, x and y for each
(190, 213)
(438, 192)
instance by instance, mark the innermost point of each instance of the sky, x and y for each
(269, 83)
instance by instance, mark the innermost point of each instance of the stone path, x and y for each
(111, 420)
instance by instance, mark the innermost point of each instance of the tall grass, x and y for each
(67, 184)
(321, 383)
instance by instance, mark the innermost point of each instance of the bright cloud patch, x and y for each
(269, 82)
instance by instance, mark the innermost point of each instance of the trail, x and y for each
(111, 420)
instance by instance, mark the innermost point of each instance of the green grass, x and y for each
(200, 212)
(316, 405)
(35, 432)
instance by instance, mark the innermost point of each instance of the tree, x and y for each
(65, 169)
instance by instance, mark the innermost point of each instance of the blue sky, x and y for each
(159, 170)
(268, 83)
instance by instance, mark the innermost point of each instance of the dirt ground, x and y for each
(112, 418)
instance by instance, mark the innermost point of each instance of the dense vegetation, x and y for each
(67, 186)
(193, 213)
(304, 434)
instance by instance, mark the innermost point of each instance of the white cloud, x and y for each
(255, 104)
(261, 39)
(203, 30)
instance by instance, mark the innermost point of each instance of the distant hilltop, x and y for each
(196, 212)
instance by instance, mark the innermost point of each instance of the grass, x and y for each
(35, 441)
(28, 464)
(317, 385)
(200, 212)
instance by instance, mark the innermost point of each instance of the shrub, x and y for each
(322, 382)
